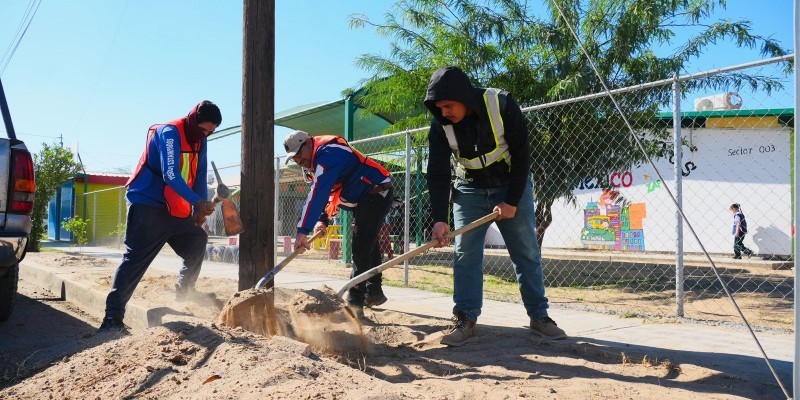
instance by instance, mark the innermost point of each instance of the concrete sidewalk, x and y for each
(730, 351)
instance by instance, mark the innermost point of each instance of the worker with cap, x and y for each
(167, 201)
(342, 177)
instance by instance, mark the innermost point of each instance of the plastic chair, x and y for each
(332, 233)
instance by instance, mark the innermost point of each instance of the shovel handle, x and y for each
(271, 274)
(413, 253)
(216, 173)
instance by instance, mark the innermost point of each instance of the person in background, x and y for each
(343, 177)
(167, 203)
(485, 131)
(739, 232)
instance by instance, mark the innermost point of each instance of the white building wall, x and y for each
(746, 166)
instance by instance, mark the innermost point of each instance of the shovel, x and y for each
(413, 253)
(271, 274)
(254, 309)
(230, 216)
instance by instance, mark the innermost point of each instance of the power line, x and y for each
(34, 135)
(105, 63)
(26, 20)
(20, 27)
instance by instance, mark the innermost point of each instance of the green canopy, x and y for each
(327, 118)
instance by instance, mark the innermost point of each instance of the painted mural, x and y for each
(613, 224)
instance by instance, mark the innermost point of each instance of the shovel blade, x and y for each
(231, 218)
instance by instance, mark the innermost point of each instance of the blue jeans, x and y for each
(519, 233)
(147, 230)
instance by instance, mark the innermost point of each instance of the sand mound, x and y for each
(315, 301)
(312, 316)
(199, 361)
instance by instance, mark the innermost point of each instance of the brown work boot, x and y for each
(461, 332)
(547, 328)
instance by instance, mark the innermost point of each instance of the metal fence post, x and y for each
(676, 142)
(275, 206)
(407, 208)
(94, 219)
(119, 217)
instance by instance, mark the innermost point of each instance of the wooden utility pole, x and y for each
(257, 250)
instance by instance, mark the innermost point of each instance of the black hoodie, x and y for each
(475, 137)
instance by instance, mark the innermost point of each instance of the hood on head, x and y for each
(450, 83)
(204, 111)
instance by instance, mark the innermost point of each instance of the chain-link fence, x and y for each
(612, 239)
(106, 212)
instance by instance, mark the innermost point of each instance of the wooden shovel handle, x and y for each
(413, 253)
(271, 274)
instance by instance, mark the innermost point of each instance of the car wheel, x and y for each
(8, 291)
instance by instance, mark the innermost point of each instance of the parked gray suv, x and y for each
(17, 187)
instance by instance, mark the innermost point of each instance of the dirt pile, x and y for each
(198, 358)
(199, 361)
(312, 316)
(185, 360)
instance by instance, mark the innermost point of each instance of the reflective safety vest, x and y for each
(178, 206)
(491, 98)
(335, 197)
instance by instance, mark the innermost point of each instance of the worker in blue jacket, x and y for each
(343, 177)
(167, 202)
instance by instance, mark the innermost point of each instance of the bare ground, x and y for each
(192, 356)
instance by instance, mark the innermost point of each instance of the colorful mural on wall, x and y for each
(610, 224)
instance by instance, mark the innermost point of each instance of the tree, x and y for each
(500, 43)
(52, 165)
(79, 228)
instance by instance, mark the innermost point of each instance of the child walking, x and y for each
(739, 232)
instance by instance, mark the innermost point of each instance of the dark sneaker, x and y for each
(737, 257)
(373, 300)
(547, 328)
(461, 332)
(114, 325)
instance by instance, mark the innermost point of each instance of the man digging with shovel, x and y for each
(343, 177)
(167, 197)
(485, 131)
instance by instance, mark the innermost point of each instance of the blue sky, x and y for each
(100, 72)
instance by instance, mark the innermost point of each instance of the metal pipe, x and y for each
(677, 153)
(276, 209)
(407, 210)
(662, 82)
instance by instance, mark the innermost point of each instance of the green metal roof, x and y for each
(698, 118)
(327, 118)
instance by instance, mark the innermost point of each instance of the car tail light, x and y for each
(23, 184)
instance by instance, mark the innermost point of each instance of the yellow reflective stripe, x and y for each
(186, 166)
(491, 98)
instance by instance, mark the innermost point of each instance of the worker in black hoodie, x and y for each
(485, 131)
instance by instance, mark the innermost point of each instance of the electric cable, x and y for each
(18, 37)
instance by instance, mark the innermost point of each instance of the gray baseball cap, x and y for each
(293, 142)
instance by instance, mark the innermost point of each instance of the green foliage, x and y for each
(119, 230)
(501, 43)
(52, 165)
(79, 228)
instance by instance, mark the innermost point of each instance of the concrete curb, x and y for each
(88, 299)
